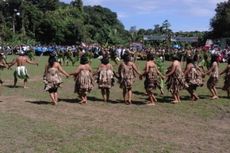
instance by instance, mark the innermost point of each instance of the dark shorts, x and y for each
(52, 90)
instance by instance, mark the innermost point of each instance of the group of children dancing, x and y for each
(176, 78)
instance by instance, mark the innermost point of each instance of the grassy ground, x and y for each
(28, 123)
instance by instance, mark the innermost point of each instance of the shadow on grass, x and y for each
(164, 99)
(11, 86)
(40, 102)
(219, 87)
(75, 100)
(224, 97)
(139, 93)
(134, 102)
(205, 97)
(94, 99)
(90, 99)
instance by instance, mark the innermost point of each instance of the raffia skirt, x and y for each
(226, 83)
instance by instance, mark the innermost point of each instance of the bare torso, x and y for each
(215, 69)
(21, 60)
(83, 67)
(107, 66)
(149, 64)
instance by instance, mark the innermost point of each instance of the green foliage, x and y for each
(50, 21)
(220, 23)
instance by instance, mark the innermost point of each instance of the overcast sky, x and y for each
(184, 15)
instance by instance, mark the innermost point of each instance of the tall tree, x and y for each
(47, 5)
(78, 4)
(220, 23)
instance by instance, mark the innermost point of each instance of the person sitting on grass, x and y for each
(126, 71)
(21, 71)
(151, 74)
(226, 71)
(84, 81)
(52, 78)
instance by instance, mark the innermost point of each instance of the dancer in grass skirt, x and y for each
(127, 71)
(151, 74)
(105, 78)
(226, 86)
(84, 81)
(52, 78)
(214, 77)
(192, 78)
(176, 81)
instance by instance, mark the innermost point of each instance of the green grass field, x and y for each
(29, 123)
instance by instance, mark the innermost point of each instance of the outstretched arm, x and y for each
(4, 64)
(211, 69)
(62, 71)
(172, 70)
(187, 70)
(30, 62)
(135, 69)
(46, 69)
(159, 73)
(146, 69)
(76, 72)
(11, 63)
(225, 70)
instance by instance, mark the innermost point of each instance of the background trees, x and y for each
(50, 21)
(54, 22)
(220, 23)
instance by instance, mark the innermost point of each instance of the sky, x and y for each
(183, 15)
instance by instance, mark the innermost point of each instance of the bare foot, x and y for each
(82, 102)
(175, 102)
(54, 103)
(215, 97)
(25, 87)
(128, 103)
(151, 104)
(195, 98)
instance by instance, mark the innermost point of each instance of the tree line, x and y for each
(55, 22)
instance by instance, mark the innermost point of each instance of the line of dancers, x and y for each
(175, 78)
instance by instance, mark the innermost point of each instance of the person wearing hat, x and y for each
(21, 71)
(105, 77)
(83, 79)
